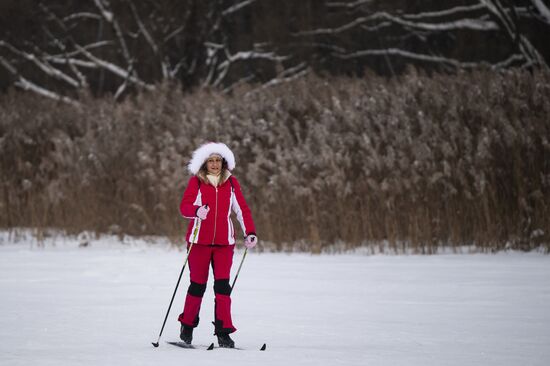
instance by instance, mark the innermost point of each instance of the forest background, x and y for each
(387, 124)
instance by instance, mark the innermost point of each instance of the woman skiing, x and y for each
(211, 194)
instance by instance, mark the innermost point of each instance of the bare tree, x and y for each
(120, 46)
(379, 32)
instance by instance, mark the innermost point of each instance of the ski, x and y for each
(188, 346)
(211, 347)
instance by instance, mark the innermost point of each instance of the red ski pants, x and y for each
(200, 259)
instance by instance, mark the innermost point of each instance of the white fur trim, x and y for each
(204, 151)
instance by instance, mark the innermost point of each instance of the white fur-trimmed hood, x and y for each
(204, 151)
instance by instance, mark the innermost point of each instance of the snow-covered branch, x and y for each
(410, 55)
(444, 13)
(249, 55)
(353, 5)
(142, 28)
(223, 67)
(82, 15)
(543, 9)
(42, 65)
(237, 7)
(108, 15)
(516, 58)
(512, 30)
(71, 61)
(288, 75)
(109, 66)
(174, 33)
(26, 84)
(88, 47)
(469, 24)
(285, 76)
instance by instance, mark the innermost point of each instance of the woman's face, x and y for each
(214, 165)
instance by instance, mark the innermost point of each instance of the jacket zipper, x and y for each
(215, 217)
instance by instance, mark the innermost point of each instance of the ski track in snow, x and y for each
(104, 305)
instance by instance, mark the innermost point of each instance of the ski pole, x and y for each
(232, 286)
(156, 344)
(239, 270)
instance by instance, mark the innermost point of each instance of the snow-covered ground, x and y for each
(104, 304)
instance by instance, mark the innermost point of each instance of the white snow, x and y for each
(104, 304)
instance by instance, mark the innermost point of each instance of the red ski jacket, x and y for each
(217, 228)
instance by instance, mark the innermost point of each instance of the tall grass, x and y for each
(419, 161)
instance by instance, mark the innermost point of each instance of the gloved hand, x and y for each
(202, 212)
(250, 241)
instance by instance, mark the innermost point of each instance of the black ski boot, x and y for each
(186, 334)
(225, 341)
